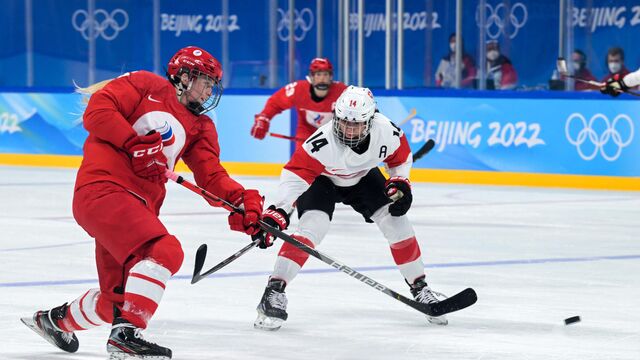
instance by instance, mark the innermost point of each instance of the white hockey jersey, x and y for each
(632, 79)
(323, 154)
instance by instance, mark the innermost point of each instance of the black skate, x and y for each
(272, 310)
(44, 324)
(422, 293)
(126, 342)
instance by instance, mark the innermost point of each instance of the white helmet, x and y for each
(352, 115)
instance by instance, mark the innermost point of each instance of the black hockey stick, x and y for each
(459, 301)
(561, 66)
(424, 150)
(201, 254)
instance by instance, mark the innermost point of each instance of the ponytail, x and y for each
(91, 89)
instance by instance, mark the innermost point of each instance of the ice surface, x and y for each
(534, 256)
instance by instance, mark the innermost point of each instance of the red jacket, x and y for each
(623, 72)
(135, 104)
(585, 74)
(311, 114)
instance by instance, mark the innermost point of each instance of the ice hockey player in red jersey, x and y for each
(339, 163)
(139, 125)
(313, 98)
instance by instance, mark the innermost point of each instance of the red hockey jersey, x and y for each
(311, 114)
(135, 104)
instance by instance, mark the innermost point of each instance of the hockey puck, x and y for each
(572, 320)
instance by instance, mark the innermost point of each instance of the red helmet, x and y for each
(320, 64)
(195, 62)
(194, 58)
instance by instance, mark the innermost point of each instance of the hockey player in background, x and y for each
(339, 163)
(313, 98)
(618, 84)
(139, 125)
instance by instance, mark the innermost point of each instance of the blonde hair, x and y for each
(91, 89)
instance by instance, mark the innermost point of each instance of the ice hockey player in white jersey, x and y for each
(339, 163)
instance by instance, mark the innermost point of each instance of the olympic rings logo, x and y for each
(107, 25)
(588, 135)
(503, 20)
(302, 23)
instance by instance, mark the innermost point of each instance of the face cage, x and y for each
(216, 92)
(342, 137)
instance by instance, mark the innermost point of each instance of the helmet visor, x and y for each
(203, 93)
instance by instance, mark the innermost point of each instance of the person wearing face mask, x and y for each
(313, 98)
(446, 72)
(615, 64)
(499, 68)
(578, 67)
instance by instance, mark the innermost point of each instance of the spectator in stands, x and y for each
(500, 71)
(615, 64)
(446, 72)
(578, 66)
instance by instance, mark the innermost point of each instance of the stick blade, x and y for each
(201, 255)
(428, 146)
(459, 301)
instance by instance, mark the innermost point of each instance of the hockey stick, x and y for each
(424, 150)
(201, 254)
(459, 301)
(287, 137)
(411, 115)
(561, 65)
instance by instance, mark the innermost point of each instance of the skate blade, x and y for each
(439, 320)
(31, 324)
(264, 322)
(125, 356)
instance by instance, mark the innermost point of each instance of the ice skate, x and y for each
(422, 293)
(44, 324)
(272, 310)
(126, 342)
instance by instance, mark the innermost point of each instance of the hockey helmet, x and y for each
(197, 64)
(352, 115)
(320, 64)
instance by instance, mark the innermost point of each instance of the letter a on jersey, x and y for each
(383, 152)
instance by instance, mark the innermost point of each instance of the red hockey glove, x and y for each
(278, 218)
(260, 127)
(614, 86)
(147, 159)
(251, 202)
(398, 189)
